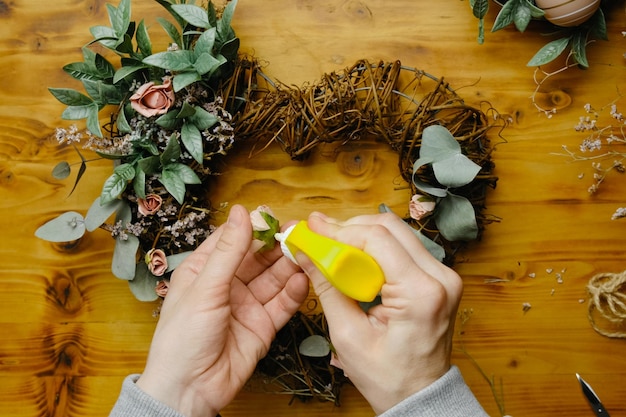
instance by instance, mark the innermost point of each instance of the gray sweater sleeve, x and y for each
(133, 402)
(448, 396)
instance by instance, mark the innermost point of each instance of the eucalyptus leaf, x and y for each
(436, 250)
(314, 346)
(456, 219)
(143, 284)
(64, 228)
(174, 260)
(438, 144)
(192, 139)
(455, 171)
(124, 255)
(62, 170)
(549, 52)
(429, 189)
(98, 213)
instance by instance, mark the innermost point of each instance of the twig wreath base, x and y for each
(607, 304)
(386, 101)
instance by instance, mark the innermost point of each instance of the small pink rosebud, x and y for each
(156, 261)
(162, 287)
(420, 206)
(258, 222)
(149, 205)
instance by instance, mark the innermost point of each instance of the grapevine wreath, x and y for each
(179, 112)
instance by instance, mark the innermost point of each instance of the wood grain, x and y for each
(70, 332)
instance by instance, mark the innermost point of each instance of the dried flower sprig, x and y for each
(604, 145)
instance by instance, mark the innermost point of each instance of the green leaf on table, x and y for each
(139, 182)
(89, 112)
(549, 52)
(105, 36)
(120, 16)
(479, 8)
(535, 11)
(505, 15)
(314, 346)
(224, 25)
(207, 63)
(579, 48)
(64, 228)
(149, 165)
(186, 110)
(143, 283)
(125, 71)
(122, 122)
(185, 78)
(61, 170)
(168, 120)
(456, 219)
(522, 16)
(597, 24)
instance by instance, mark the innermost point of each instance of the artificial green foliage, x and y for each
(65, 228)
(164, 149)
(454, 214)
(521, 12)
(267, 236)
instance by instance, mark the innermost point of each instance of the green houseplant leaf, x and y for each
(192, 139)
(193, 14)
(549, 52)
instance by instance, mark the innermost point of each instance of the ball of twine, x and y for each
(607, 304)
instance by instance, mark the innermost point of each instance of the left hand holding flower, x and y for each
(223, 309)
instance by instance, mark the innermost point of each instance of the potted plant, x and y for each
(575, 22)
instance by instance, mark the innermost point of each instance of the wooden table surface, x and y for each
(70, 331)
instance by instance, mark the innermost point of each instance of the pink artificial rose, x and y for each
(162, 287)
(151, 100)
(258, 222)
(420, 206)
(149, 205)
(157, 262)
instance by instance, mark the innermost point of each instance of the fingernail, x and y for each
(234, 217)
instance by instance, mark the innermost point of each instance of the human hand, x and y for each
(222, 311)
(403, 345)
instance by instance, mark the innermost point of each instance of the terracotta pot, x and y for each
(568, 12)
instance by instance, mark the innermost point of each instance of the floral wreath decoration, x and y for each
(180, 111)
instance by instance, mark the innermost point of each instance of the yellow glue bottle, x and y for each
(350, 270)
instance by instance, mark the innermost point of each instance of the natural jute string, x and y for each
(607, 293)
